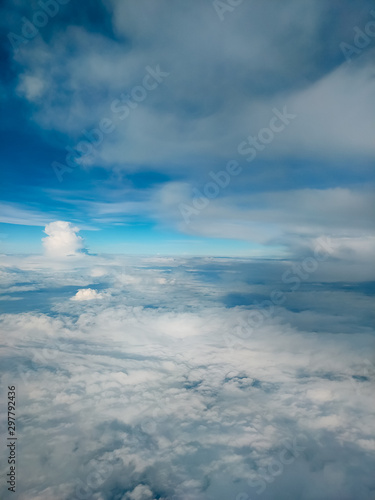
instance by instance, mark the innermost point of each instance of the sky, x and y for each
(187, 249)
(120, 116)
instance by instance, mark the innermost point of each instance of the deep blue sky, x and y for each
(223, 74)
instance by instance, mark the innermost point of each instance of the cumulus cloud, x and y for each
(87, 294)
(190, 417)
(62, 240)
(158, 393)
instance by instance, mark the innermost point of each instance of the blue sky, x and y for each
(219, 76)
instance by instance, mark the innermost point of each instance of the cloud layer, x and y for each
(167, 389)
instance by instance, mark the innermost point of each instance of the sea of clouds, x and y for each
(140, 378)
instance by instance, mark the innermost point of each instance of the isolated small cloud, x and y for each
(62, 240)
(87, 294)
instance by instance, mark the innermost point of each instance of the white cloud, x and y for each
(87, 294)
(62, 240)
(188, 417)
(291, 218)
(148, 386)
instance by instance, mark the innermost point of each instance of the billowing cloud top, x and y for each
(87, 294)
(62, 240)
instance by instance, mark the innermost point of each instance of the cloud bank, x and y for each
(159, 391)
